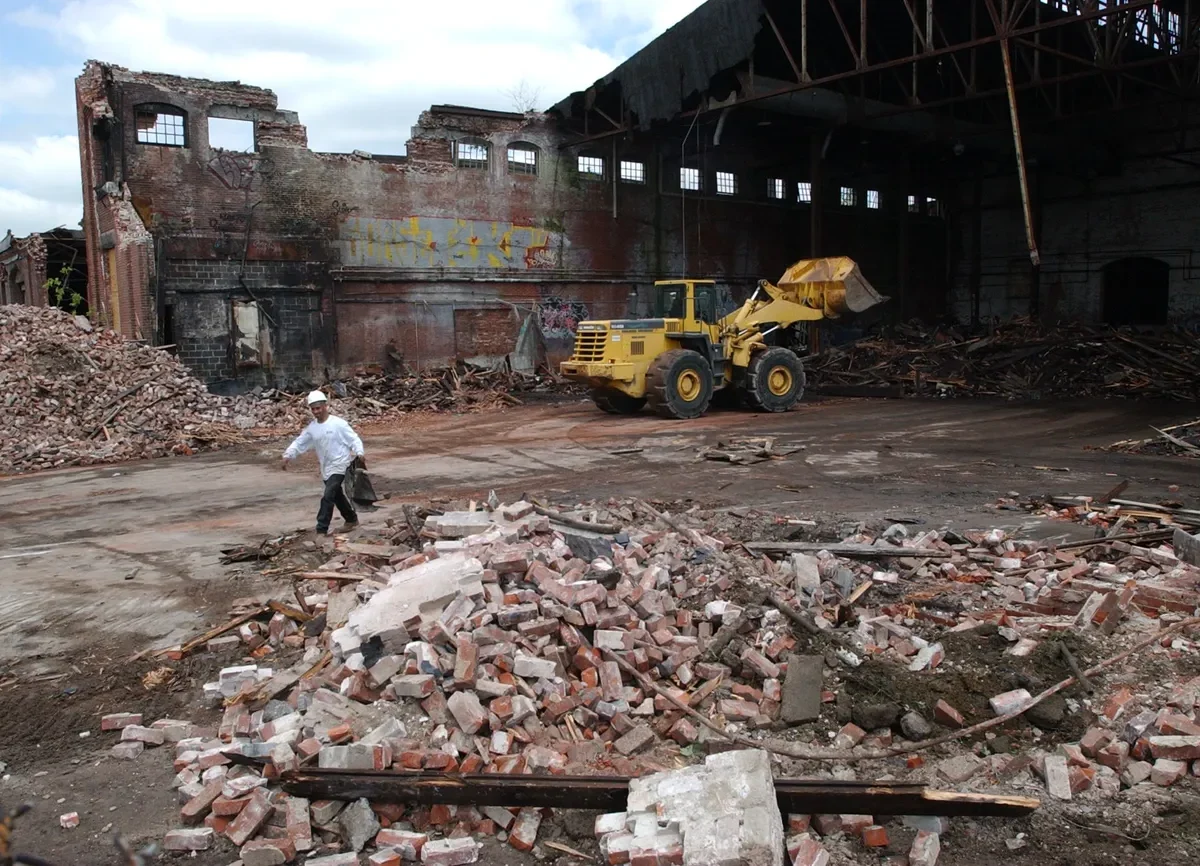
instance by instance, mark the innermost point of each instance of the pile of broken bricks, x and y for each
(496, 641)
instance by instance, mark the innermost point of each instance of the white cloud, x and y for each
(39, 184)
(358, 73)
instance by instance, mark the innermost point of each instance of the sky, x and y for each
(358, 72)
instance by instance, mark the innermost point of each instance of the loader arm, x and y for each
(808, 291)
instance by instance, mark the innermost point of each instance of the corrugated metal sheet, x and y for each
(718, 35)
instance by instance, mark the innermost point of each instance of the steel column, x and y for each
(1006, 53)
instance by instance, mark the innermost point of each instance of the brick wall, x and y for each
(426, 235)
(1138, 207)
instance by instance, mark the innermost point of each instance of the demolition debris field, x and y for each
(863, 467)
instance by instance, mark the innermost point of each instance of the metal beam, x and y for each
(846, 34)
(979, 42)
(800, 76)
(1006, 54)
(609, 793)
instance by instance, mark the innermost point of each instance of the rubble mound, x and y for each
(615, 639)
(75, 395)
(1018, 360)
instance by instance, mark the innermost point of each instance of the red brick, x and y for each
(804, 850)
(285, 847)
(200, 805)
(228, 808)
(948, 716)
(251, 818)
(409, 844)
(524, 831)
(875, 836)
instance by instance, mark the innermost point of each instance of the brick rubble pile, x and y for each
(76, 395)
(489, 642)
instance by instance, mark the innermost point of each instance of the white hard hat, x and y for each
(316, 397)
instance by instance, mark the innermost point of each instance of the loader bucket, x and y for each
(846, 289)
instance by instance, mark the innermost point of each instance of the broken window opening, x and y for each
(775, 188)
(933, 207)
(873, 199)
(689, 178)
(163, 125)
(471, 154)
(522, 159)
(726, 183)
(248, 335)
(591, 167)
(849, 196)
(236, 136)
(913, 205)
(632, 171)
(804, 191)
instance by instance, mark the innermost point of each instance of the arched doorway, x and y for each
(1136, 291)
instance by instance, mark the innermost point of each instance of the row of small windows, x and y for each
(523, 159)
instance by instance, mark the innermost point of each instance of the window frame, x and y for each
(472, 162)
(874, 199)
(688, 171)
(731, 187)
(637, 177)
(776, 189)
(804, 192)
(592, 160)
(160, 110)
(848, 196)
(521, 169)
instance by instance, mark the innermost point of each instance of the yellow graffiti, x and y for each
(433, 242)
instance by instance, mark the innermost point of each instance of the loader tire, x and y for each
(617, 402)
(774, 380)
(679, 384)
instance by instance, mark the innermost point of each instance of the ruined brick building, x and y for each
(752, 134)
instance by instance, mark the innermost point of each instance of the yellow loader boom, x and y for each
(677, 359)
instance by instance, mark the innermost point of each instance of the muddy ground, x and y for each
(100, 565)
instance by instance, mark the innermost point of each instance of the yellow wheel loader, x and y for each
(685, 354)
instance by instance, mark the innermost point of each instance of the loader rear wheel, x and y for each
(774, 380)
(680, 384)
(617, 402)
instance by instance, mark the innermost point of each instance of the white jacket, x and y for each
(335, 442)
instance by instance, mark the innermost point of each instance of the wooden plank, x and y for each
(609, 793)
(855, 551)
(216, 632)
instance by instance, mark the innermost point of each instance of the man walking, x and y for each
(337, 446)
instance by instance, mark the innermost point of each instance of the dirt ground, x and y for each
(100, 564)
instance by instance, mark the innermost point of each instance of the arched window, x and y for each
(1136, 291)
(523, 158)
(471, 153)
(159, 124)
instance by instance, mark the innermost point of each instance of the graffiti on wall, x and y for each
(241, 171)
(447, 242)
(560, 317)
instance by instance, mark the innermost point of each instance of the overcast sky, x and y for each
(358, 72)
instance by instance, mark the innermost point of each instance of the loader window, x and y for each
(706, 303)
(670, 302)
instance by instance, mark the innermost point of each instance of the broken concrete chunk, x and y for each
(802, 689)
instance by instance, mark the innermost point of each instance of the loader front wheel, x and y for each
(774, 380)
(617, 402)
(680, 384)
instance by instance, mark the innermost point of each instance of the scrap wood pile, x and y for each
(516, 641)
(1018, 360)
(78, 395)
(1176, 440)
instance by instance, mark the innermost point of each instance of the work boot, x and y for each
(349, 525)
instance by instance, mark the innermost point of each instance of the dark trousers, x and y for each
(334, 495)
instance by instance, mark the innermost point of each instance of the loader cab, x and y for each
(692, 302)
